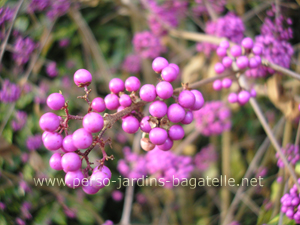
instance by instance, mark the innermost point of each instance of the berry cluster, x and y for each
(200, 8)
(290, 204)
(205, 158)
(291, 153)
(19, 122)
(132, 64)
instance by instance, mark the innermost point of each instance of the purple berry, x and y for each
(242, 62)
(217, 85)
(219, 68)
(232, 97)
(164, 90)
(169, 74)
(56, 101)
(175, 113)
(188, 118)
(73, 179)
(145, 125)
(227, 61)
(167, 145)
(158, 109)
(226, 83)
(93, 122)
(243, 97)
(224, 44)
(175, 66)
(132, 84)
(82, 78)
(49, 122)
(53, 141)
(125, 100)
(89, 189)
(253, 63)
(98, 105)
(176, 132)
(236, 51)
(70, 162)
(116, 85)
(186, 99)
(221, 52)
(253, 93)
(199, 100)
(111, 101)
(55, 161)
(257, 50)
(68, 144)
(100, 179)
(82, 139)
(148, 92)
(159, 64)
(103, 169)
(247, 43)
(130, 124)
(158, 136)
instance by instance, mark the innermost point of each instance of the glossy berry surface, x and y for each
(169, 74)
(148, 92)
(158, 109)
(82, 78)
(167, 145)
(132, 84)
(93, 122)
(98, 105)
(188, 117)
(130, 124)
(164, 90)
(175, 113)
(82, 139)
(53, 141)
(186, 99)
(55, 161)
(243, 97)
(73, 179)
(116, 85)
(236, 51)
(125, 100)
(159, 64)
(56, 101)
(199, 100)
(145, 125)
(111, 101)
(158, 136)
(219, 68)
(70, 162)
(68, 144)
(176, 132)
(49, 122)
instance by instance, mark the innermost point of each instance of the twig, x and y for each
(281, 69)
(210, 10)
(189, 139)
(248, 15)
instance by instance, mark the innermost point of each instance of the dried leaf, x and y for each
(35, 160)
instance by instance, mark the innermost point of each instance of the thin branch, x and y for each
(281, 69)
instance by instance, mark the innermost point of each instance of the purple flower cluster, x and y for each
(2, 205)
(6, 14)
(165, 165)
(108, 222)
(213, 118)
(38, 5)
(132, 64)
(290, 204)
(19, 121)
(229, 26)
(291, 153)
(34, 142)
(200, 7)
(147, 45)
(23, 48)
(133, 165)
(10, 92)
(64, 42)
(25, 208)
(117, 195)
(205, 157)
(51, 69)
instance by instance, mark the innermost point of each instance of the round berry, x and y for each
(176, 132)
(232, 97)
(236, 50)
(148, 92)
(82, 78)
(125, 100)
(253, 93)
(130, 124)
(82, 139)
(175, 66)
(186, 99)
(226, 83)
(159, 64)
(188, 117)
(49, 122)
(145, 125)
(93, 122)
(164, 90)
(158, 136)
(73, 179)
(169, 74)
(56, 101)
(132, 84)
(70, 162)
(247, 43)
(111, 101)
(257, 50)
(221, 52)
(116, 85)
(89, 189)
(242, 62)
(53, 141)
(103, 169)
(219, 68)
(243, 97)
(55, 161)
(158, 109)
(68, 144)
(224, 44)
(146, 144)
(217, 85)
(227, 61)
(167, 145)
(98, 105)
(199, 100)
(175, 113)
(99, 179)
(253, 63)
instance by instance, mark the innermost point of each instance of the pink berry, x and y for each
(175, 113)
(253, 93)
(70, 162)
(99, 179)
(111, 101)
(243, 97)
(89, 189)
(116, 85)
(53, 141)
(159, 64)
(125, 100)
(130, 124)
(226, 83)
(247, 43)
(167, 145)
(98, 105)
(93, 122)
(55, 161)
(148, 92)
(253, 63)
(217, 85)
(145, 125)
(188, 118)
(186, 99)
(236, 51)
(68, 144)
(224, 44)
(199, 100)
(219, 68)
(103, 169)
(169, 74)
(176, 132)
(158, 136)
(82, 139)
(158, 109)
(232, 97)
(49, 122)
(132, 84)
(175, 66)
(227, 62)
(73, 179)
(242, 62)
(56, 101)
(257, 50)
(221, 52)
(164, 90)
(82, 78)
